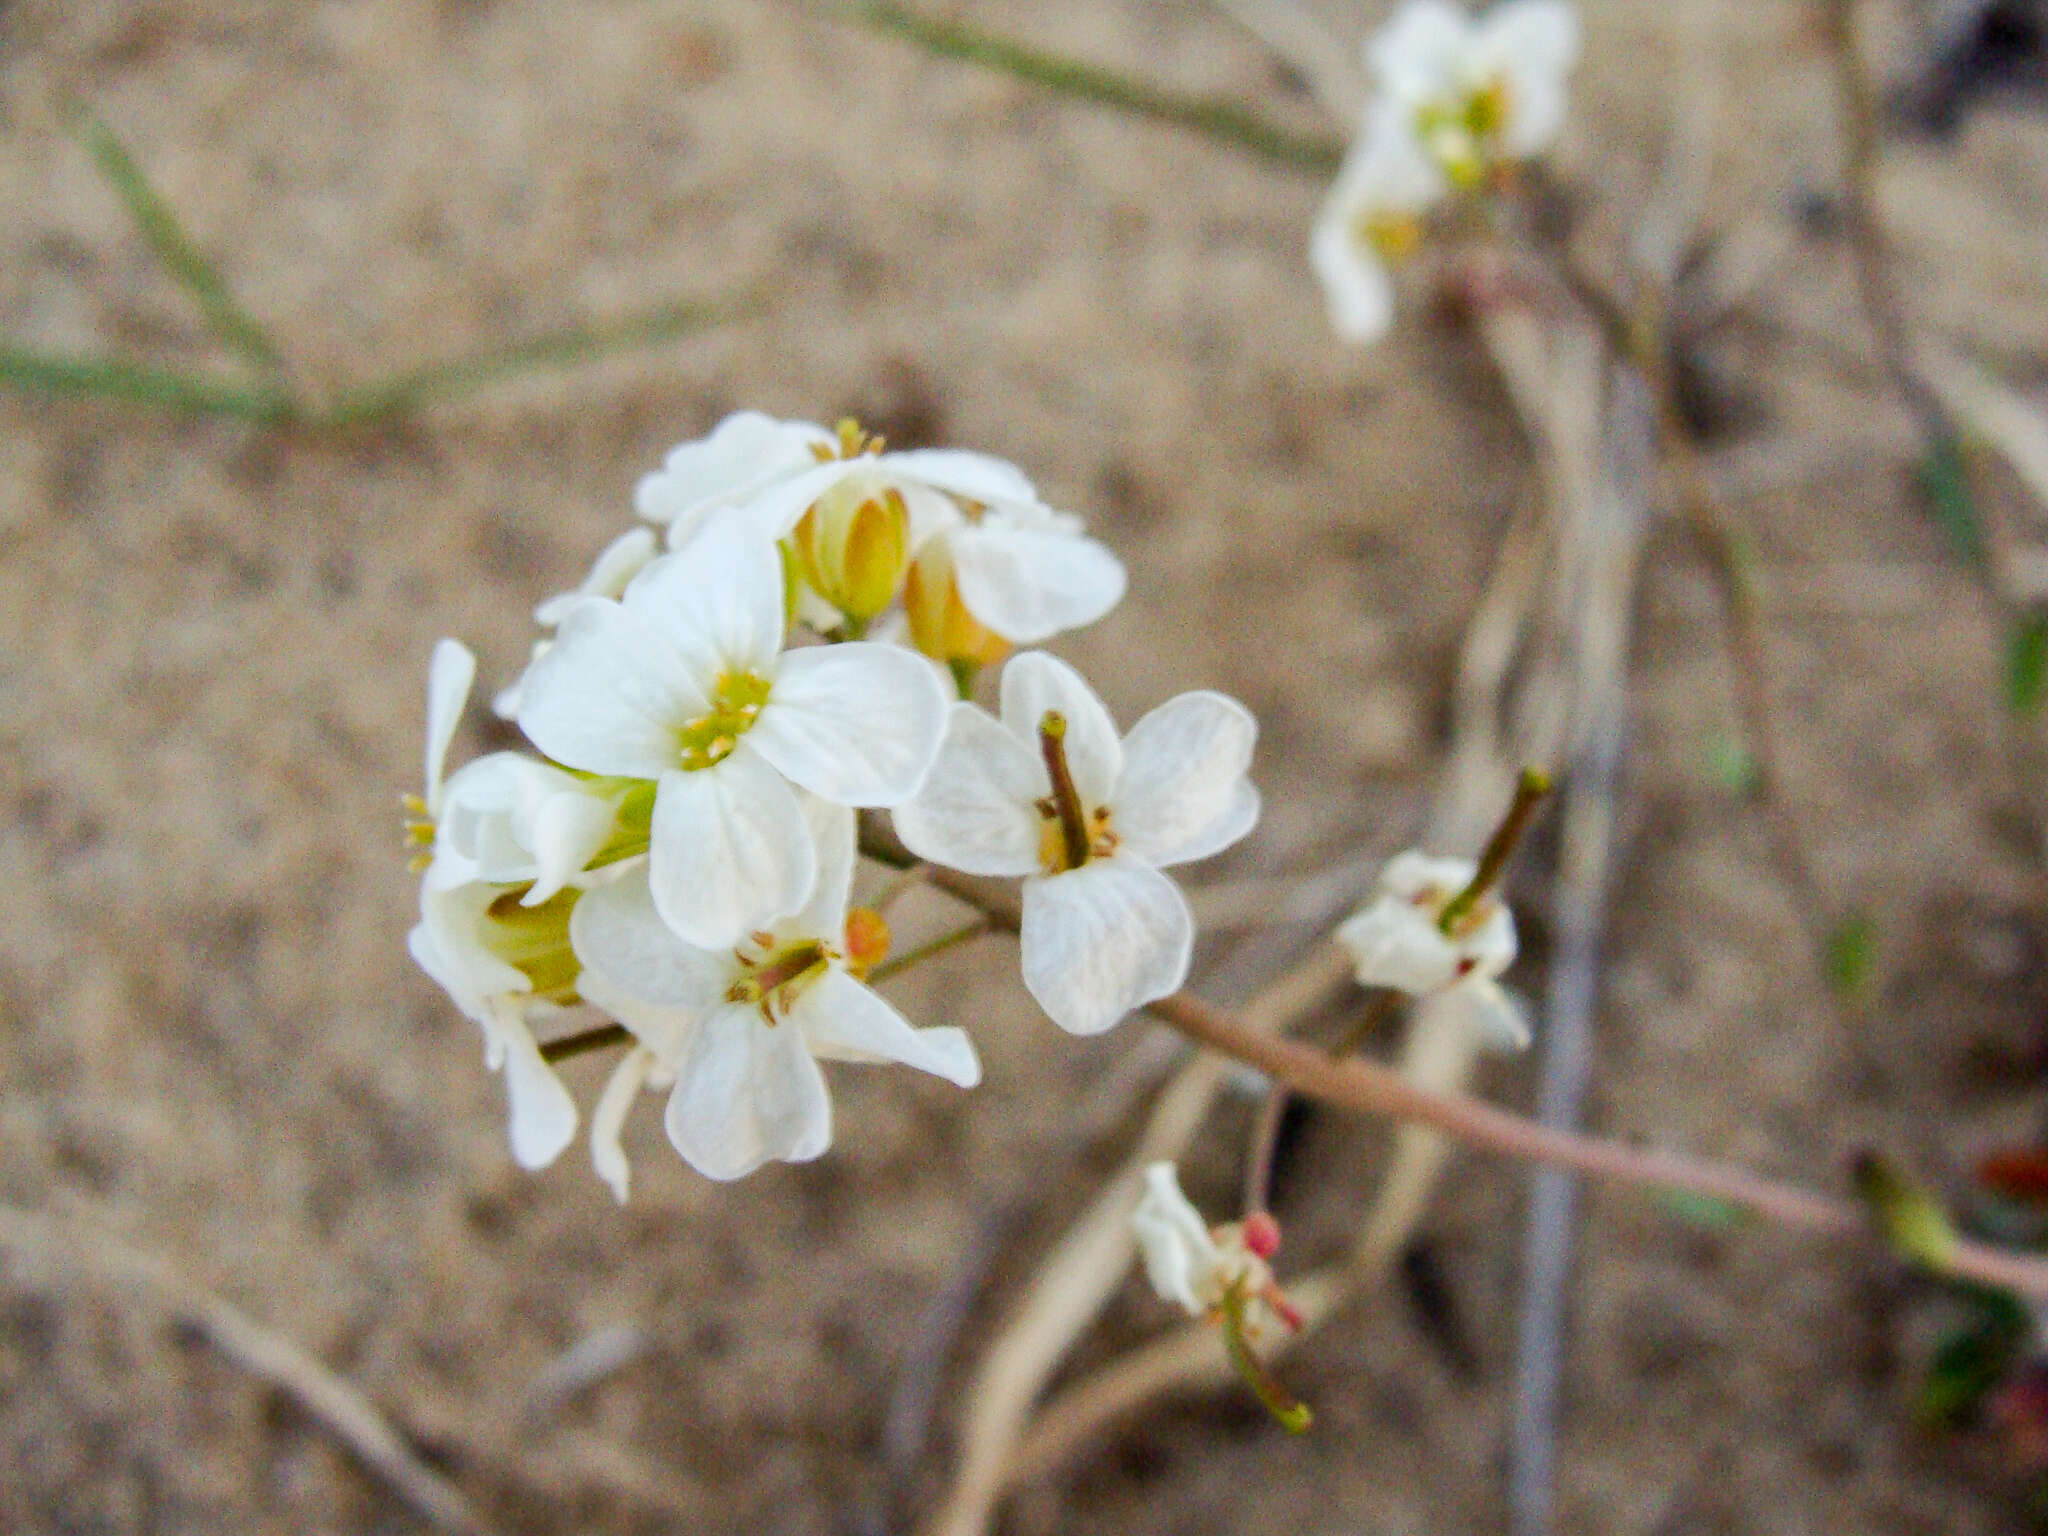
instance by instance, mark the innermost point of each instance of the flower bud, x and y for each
(940, 625)
(852, 544)
(867, 940)
(534, 940)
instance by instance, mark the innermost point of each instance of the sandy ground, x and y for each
(212, 650)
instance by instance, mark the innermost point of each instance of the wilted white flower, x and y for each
(1198, 1267)
(741, 1030)
(497, 957)
(1049, 792)
(1398, 940)
(684, 681)
(1477, 92)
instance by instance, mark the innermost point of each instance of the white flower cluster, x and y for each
(681, 854)
(1457, 101)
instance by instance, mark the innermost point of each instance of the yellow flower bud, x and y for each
(852, 545)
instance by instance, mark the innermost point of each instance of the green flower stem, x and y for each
(1211, 116)
(1291, 1415)
(182, 394)
(176, 250)
(1530, 789)
(923, 952)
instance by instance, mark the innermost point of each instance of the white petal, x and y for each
(609, 695)
(1183, 793)
(543, 1114)
(449, 676)
(665, 1032)
(743, 455)
(608, 1120)
(1173, 1240)
(1411, 875)
(1103, 939)
(1356, 285)
(845, 1021)
(931, 512)
(568, 832)
(448, 944)
(856, 724)
(619, 562)
(1416, 54)
(976, 476)
(1035, 683)
(835, 836)
(745, 1094)
(977, 811)
(718, 602)
(1029, 583)
(730, 850)
(619, 937)
(1395, 944)
(778, 508)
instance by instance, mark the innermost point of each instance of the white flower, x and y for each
(1477, 91)
(684, 681)
(508, 818)
(1198, 1267)
(1398, 941)
(742, 1029)
(855, 515)
(1103, 930)
(616, 564)
(493, 956)
(1371, 220)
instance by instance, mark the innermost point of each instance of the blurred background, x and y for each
(213, 639)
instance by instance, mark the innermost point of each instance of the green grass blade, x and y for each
(176, 250)
(185, 394)
(565, 348)
(1215, 117)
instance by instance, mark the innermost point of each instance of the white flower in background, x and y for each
(1398, 940)
(1477, 92)
(1049, 793)
(684, 681)
(618, 563)
(741, 1030)
(1372, 221)
(1198, 1267)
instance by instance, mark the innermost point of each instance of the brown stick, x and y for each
(1368, 1088)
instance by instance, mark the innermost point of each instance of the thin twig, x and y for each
(329, 1400)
